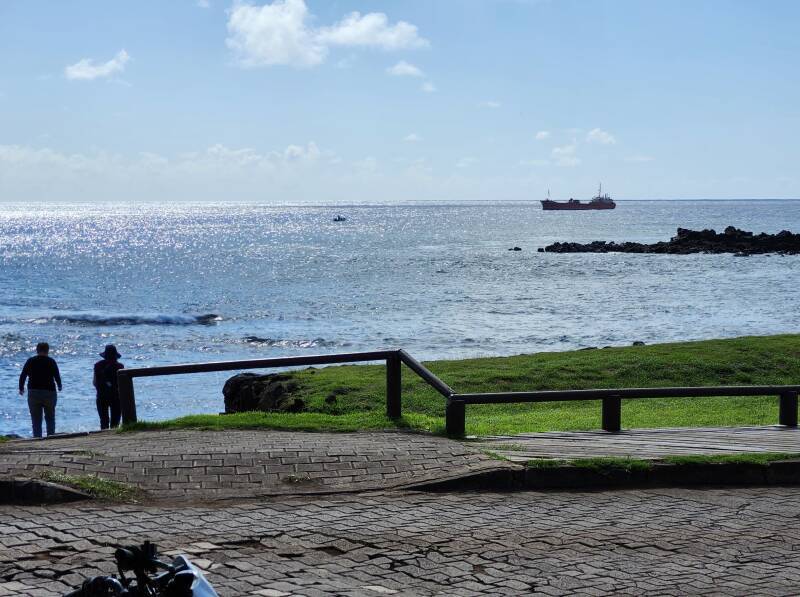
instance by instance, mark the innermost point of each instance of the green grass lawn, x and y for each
(352, 397)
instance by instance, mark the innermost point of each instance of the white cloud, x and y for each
(412, 138)
(218, 171)
(274, 34)
(203, 3)
(419, 169)
(536, 163)
(565, 156)
(87, 70)
(465, 162)
(279, 34)
(542, 135)
(298, 152)
(490, 104)
(368, 165)
(639, 158)
(600, 136)
(346, 62)
(428, 87)
(404, 69)
(372, 30)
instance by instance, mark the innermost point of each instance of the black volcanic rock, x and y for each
(685, 241)
(270, 393)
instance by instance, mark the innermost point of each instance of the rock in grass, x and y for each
(254, 392)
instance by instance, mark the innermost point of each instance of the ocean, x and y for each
(202, 282)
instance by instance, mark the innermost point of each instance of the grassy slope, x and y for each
(97, 487)
(359, 390)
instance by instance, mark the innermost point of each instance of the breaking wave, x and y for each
(278, 343)
(96, 319)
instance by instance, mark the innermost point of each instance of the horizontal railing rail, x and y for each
(678, 392)
(322, 359)
(455, 411)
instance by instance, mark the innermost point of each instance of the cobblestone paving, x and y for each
(207, 465)
(667, 542)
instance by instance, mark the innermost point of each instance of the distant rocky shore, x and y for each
(732, 240)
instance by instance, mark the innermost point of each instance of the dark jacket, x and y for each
(105, 377)
(42, 373)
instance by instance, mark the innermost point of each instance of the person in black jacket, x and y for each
(43, 376)
(105, 382)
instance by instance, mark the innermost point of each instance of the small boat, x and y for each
(339, 219)
(600, 201)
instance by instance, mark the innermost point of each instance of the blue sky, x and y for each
(308, 101)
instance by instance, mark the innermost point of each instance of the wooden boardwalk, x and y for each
(643, 443)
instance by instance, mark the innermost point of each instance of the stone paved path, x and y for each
(208, 465)
(643, 443)
(665, 542)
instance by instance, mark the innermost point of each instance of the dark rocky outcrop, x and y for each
(732, 240)
(269, 393)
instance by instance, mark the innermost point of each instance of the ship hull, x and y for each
(548, 205)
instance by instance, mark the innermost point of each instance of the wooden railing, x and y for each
(611, 400)
(127, 396)
(455, 410)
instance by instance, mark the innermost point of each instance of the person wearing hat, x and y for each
(105, 382)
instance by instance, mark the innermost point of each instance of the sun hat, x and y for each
(110, 352)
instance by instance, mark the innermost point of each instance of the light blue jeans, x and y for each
(42, 402)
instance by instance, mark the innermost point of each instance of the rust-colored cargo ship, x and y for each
(598, 202)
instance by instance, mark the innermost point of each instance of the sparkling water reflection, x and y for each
(436, 279)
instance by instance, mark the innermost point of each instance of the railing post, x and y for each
(612, 413)
(127, 399)
(787, 409)
(455, 418)
(393, 387)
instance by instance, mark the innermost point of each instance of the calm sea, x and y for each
(186, 283)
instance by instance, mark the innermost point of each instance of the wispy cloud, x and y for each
(404, 69)
(87, 70)
(412, 138)
(280, 34)
(371, 30)
(203, 3)
(600, 136)
(639, 158)
(537, 163)
(542, 135)
(565, 156)
(428, 87)
(465, 162)
(491, 104)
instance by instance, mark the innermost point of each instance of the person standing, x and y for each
(43, 376)
(105, 381)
